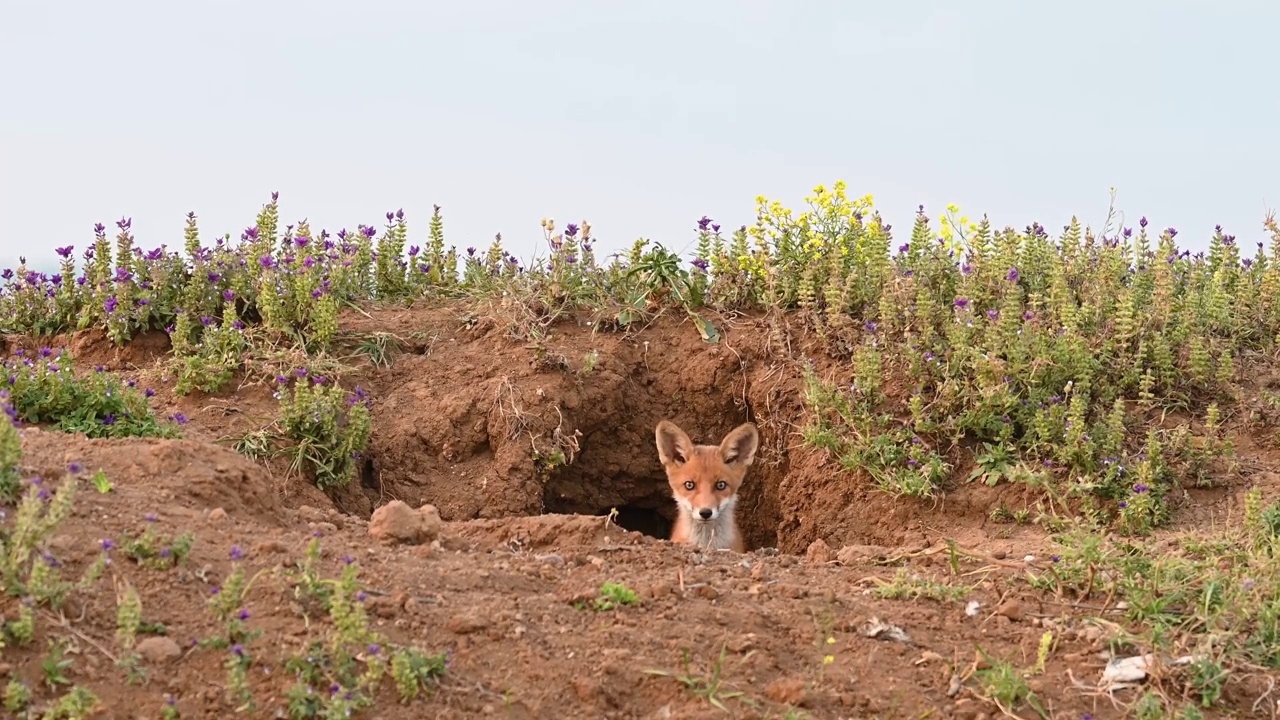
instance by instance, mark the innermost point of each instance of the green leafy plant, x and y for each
(328, 428)
(44, 388)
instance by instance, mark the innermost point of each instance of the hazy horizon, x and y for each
(640, 119)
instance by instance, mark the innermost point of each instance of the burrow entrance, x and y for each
(644, 520)
(641, 504)
(595, 485)
(487, 438)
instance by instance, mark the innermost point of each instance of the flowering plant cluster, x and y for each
(1057, 352)
(1051, 352)
(43, 387)
(327, 426)
(31, 513)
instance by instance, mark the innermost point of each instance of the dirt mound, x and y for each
(485, 427)
(143, 471)
(543, 532)
(524, 612)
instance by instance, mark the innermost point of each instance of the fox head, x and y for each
(705, 478)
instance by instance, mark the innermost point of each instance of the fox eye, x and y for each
(690, 485)
(720, 485)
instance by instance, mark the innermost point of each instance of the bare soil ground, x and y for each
(461, 414)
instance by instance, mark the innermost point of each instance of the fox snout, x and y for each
(702, 509)
(705, 512)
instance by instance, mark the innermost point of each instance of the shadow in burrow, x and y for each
(617, 472)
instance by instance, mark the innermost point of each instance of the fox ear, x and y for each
(739, 446)
(674, 445)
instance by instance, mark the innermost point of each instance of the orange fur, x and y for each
(705, 480)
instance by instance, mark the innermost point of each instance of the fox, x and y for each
(705, 480)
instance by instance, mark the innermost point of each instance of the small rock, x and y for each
(819, 553)
(707, 592)
(966, 709)
(1011, 609)
(795, 592)
(585, 689)
(158, 650)
(384, 606)
(266, 547)
(467, 624)
(786, 691)
(742, 643)
(855, 554)
(217, 514)
(658, 590)
(929, 656)
(431, 522)
(396, 522)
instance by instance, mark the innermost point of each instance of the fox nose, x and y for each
(705, 513)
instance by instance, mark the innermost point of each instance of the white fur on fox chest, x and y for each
(718, 533)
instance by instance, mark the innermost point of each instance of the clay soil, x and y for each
(470, 420)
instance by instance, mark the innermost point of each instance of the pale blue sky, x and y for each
(640, 117)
